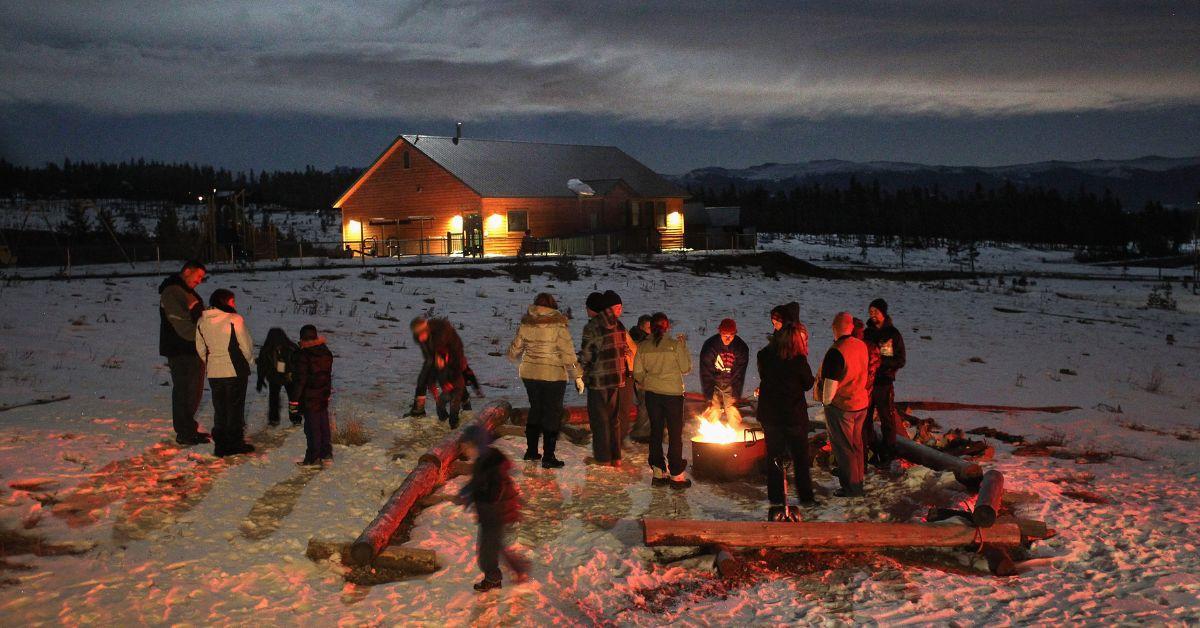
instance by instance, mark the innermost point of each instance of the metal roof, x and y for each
(501, 168)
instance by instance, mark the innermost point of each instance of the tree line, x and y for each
(926, 216)
(308, 189)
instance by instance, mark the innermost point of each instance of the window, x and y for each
(406, 160)
(635, 214)
(518, 220)
(660, 214)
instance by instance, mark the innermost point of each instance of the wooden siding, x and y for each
(390, 191)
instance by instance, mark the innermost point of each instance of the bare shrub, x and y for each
(1155, 381)
(352, 433)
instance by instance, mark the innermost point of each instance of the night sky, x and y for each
(678, 85)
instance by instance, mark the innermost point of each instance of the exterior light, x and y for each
(495, 223)
(353, 230)
(456, 224)
(674, 220)
(200, 198)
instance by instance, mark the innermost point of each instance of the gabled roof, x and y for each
(508, 169)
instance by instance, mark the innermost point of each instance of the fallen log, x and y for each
(575, 433)
(35, 402)
(431, 470)
(987, 504)
(966, 472)
(933, 406)
(823, 535)
(410, 560)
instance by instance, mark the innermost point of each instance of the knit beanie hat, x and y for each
(727, 326)
(611, 299)
(880, 305)
(595, 302)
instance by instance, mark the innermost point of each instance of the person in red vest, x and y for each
(842, 388)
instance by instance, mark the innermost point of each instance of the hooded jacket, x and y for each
(543, 347)
(890, 344)
(723, 365)
(491, 487)
(659, 368)
(216, 333)
(314, 375)
(276, 361)
(179, 307)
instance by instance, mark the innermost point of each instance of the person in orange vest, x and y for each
(842, 389)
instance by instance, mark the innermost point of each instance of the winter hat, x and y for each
(611, 299)
(475, 433)
(595, 302)
(880, 305)
(727, 326)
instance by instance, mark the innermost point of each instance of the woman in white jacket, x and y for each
(546, 354)
(225, 347)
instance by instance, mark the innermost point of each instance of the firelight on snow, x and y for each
(711, 431)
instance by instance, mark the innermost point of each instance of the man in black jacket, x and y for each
(883, 335)
(723, 360)
(179, 308)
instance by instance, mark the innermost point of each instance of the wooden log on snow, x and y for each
(987, 504)
(933, 406)
(410, 560)
(35, 402)
(575, 433)
(966, 472)
(431, 470)
(321, 549)
(824, 535)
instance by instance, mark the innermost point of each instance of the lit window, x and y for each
(635, 214)
(660, 215)
(354, 230)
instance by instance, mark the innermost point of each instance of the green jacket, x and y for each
(659, 368)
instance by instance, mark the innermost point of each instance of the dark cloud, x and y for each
(688, 62)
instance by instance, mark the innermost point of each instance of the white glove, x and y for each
(579, 385)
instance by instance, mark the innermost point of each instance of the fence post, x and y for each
(157, 259)
(301, 244)
(608, 245)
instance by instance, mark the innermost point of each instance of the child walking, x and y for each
(314, 377)
(497, 504)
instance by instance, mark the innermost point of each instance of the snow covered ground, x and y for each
(183, 537)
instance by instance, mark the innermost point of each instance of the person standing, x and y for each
(784, 376)
(885, 340)
(497, 503)
(723, 359)
(842, 388)
(224, 344)
(659, 367)
(276, 368)
(314, 387)
(179, 308)
(546, 356)
(605, 356)
(640, 431)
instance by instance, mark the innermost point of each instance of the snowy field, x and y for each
(176, 536)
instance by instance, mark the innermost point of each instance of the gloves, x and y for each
(579, 387)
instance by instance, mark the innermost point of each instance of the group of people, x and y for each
(616, 368)
(216, 343)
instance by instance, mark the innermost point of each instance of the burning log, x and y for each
(431, 470)
(824, 535)
(987, 505)
(966, 472)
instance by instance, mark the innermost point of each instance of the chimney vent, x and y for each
(457, 132)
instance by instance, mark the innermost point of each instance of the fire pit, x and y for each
(720, 454)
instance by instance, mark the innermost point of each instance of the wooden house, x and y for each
(453, 193)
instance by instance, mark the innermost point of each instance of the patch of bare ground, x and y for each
(1184, 434)
(269, 511)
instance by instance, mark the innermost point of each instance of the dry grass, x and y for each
(1155, 381)
(351, 433)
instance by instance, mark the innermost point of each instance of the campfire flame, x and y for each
(712, 431)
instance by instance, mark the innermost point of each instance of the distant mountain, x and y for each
(1173, 181)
